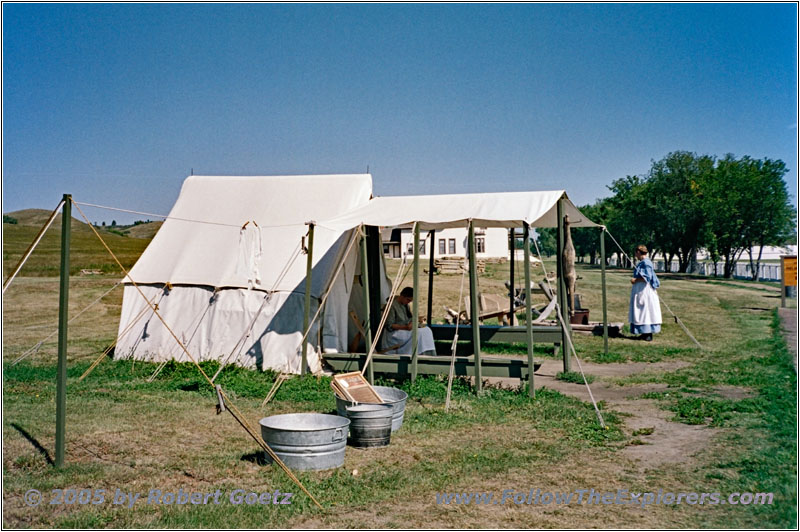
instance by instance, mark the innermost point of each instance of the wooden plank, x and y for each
(431, 365)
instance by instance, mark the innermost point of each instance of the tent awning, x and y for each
(499, 209)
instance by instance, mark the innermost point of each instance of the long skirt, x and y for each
(402, 339)
(645, 310)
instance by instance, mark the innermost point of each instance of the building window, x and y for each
(480, 245)
(410, 247)
(442, 246)
(386, 249)
(452, 246)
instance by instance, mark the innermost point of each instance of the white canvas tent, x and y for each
(228, 277)
(497, 209)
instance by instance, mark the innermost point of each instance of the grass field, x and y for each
(680, 419)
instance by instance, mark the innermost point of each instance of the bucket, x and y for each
(370, 425)
(392, 396)
(580, 317)
(307, 441)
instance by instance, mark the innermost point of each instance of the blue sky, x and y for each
(117, 103)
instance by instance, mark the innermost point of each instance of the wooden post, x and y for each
(415, 306)
(432, 236)
(513, 252)
(374, 262)
(783, 282)
(603, 281)
(63, 320)
(365, 288)
(474, 309)
(528, 314)
(307, 315)
(562, 286)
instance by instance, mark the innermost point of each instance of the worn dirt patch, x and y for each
(669, 443)
(734, 392)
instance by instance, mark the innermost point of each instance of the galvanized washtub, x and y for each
(393, 396)
(307, 441)
(370, 425)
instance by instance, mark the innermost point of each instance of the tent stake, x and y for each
(365, 288)
(528, 314)
(415, 307)
(63, 319)
(475, 311)
(307, 315)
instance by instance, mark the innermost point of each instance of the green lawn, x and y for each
(125, 432)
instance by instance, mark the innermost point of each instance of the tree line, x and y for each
(687, 203)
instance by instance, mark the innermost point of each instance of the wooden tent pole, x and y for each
(365, 288)
(307, 315)
(63, 320)
(511, 294)
(432, 237)
(603, 277)
(562, 285)
(528, 314)
(415, 306)
(474, 309)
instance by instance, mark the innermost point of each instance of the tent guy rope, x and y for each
(569, 339)
(237, 415)
(178, 218)
(42, 341)
(661, 298)
(454, 345)
(33, 245)
(398, 280)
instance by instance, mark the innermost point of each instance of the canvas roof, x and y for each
(496, 209)
(200, 242)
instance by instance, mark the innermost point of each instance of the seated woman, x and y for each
(397, 332)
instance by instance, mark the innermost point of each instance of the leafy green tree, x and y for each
(626, 215)
(674, 207)
(587, 239)
(546, 239)
(777, 222)
(746, 204)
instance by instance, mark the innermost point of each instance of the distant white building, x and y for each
(490, 242)
(769, 269)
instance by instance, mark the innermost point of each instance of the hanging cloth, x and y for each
(250, 252)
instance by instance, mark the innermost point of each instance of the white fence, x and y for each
(742, 270)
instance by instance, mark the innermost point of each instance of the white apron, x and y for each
(645, 308)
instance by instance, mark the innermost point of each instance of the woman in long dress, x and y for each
(397, 333)
(645, 309)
